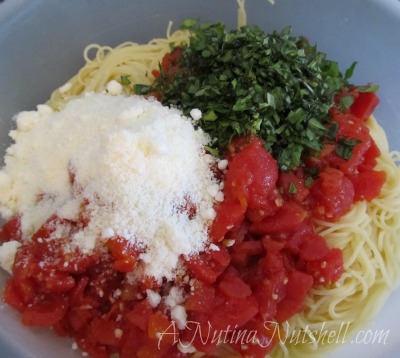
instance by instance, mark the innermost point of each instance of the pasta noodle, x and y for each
(368, 234)
(103, 64)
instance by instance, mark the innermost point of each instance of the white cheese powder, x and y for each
(139, 164)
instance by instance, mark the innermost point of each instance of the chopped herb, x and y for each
(369, 88)
(292, 188)
(308, 182)
(125, 80)
(350, 70)
(141, 89)
(345, 102)
(245, 81)
(346, 146)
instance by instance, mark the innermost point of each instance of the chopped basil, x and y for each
(292, 188)
(369, 88)
(141, 89)
(245, 81)
(125, 80)
(345, 147)
(345, 102)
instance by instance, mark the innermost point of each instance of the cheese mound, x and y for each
(140, 166)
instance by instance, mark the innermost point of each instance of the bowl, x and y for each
(41, 45)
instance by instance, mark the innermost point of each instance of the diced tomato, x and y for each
(199, 332)
(104, 332)
(131, 341)
(233, 312)
(233, 286)
(11, 230)
(327, 269)
(54, 281)
(78, 318)
(93, 349)
(202, 298)
(264, 338)
(313, 247)
(13, 297)
(368, 184)
(286, 220)
(252, 175)
(332, 195)
(364, 104)
(229, 216)
(273, 259)
(370, 156)
(161, 329)
(46, 312)
(170, 61)
(297, 287)
(243, 251)
(208, 266)
(25, 264)
(124, 253)
(140, 314)
(292, 184)
(269, 292)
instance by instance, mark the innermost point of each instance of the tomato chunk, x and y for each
(11, 230)
(47, 312)
(332, 195)
(364, 104)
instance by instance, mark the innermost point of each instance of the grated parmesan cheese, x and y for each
(140, 165)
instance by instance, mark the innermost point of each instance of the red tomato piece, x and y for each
(229, 216)
(332, 195)
(79, 318)
(293, 187)
(92, 349)
(252, 174)
(243, 252)
(170, 61)
(161, 329)
(202, 298)
(269, 292)
(328, 269)
(208, 266)
(11, 230)
(12, 296)
(54, 281)
(297, 287)
(370, 157)
(259, 345)
(132, 339)
(368, 184)
(102, 331)
(46, 312)
(287, 219)
(313, 247)
(124, 253)
(140, 314)
(233, 286)
(233, 312)
(364, 104)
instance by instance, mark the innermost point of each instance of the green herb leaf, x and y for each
(369, 88)
(350, 70)
(142, 89)
(125, 80)
(346, 146)
(292, 188)
(345, 102)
